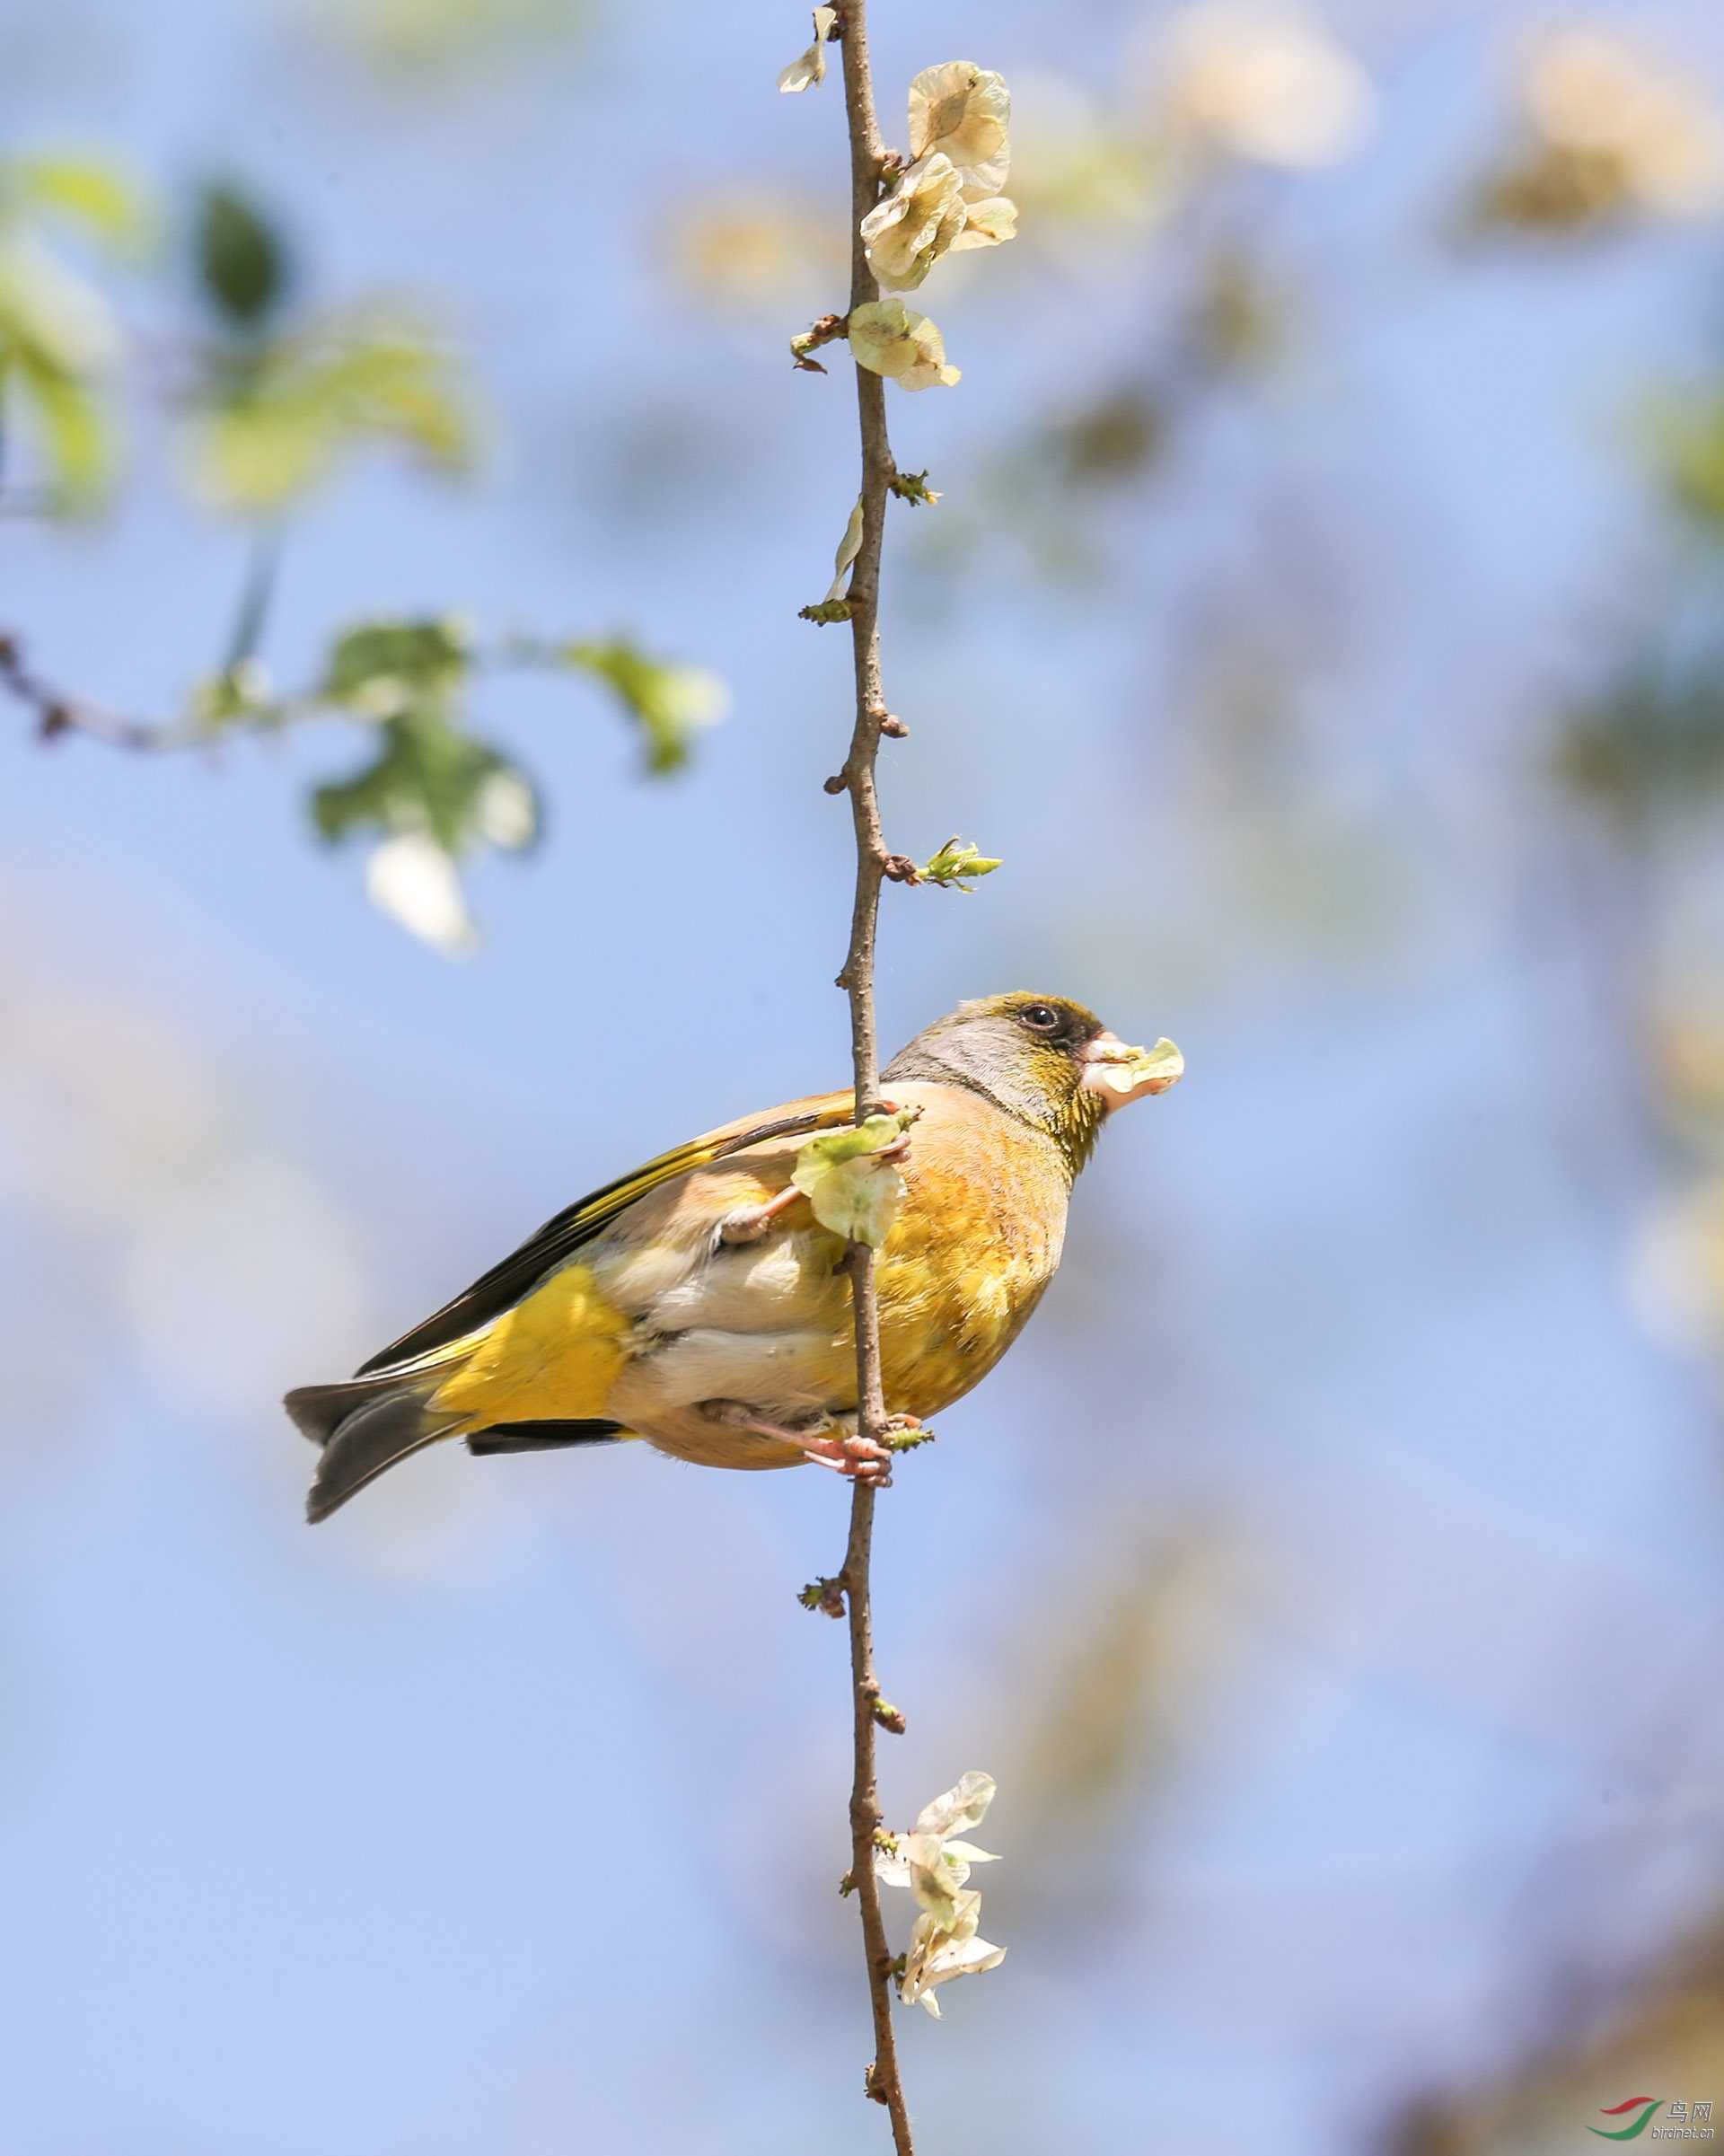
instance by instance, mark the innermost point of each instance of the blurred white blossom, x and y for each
(888, 338)
(935, 1865)
(1591, 92)
(811, 66)
(507, 815)
(908, 232)
(414, 881)
(1260, 82)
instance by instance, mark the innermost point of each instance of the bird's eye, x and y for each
(1042, 1017)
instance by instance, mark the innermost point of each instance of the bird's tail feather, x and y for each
(369, 1423)
(363, 1427)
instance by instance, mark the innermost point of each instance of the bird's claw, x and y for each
(859, 1458)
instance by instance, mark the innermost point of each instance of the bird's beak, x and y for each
(1121, 1074)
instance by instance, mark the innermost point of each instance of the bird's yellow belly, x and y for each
(943, 1326)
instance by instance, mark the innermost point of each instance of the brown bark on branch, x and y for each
(868, 158)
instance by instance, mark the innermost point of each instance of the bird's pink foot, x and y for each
(858, 1456)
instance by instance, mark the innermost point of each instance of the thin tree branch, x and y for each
(56, 713)
(867, 161)
(257, 594)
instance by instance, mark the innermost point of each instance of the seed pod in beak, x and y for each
(1121, 1074)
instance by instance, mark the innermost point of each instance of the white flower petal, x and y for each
(987, 224)
(890, 338)
(812, 65)
(809, 67)
(939, 1893)
(965, 111)
(927, 375)
(414, 881)
(849, 548)
(939, 1952)
(908, 233)
(964, 1804)
(966, 1852)
(889, 1871)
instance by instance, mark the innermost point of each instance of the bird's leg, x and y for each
(848, 1455)
(751, 1225)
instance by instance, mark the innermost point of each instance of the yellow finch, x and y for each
(701, 1303)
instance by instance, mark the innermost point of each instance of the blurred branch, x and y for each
(433, 790)
(279, 401)
(57, 713)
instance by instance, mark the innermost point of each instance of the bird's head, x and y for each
(1043, 1058)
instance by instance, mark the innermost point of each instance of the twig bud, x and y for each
(824, 1595)
(809, 340)
(888, 1716)
(912, 486)
(955, 861)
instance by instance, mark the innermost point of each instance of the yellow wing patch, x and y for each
(552, 1358)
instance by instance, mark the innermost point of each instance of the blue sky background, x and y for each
(1333, 1578)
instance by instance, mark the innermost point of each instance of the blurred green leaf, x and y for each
(430, 778)
(671, 702)
(55, 337)
(72, 428)
(240, 258)
(1688, 441)
(276, 429)
(92, 193)
(1655, 741)
(432, 36)
(384, 667)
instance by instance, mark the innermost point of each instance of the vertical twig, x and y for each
(867, 154)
